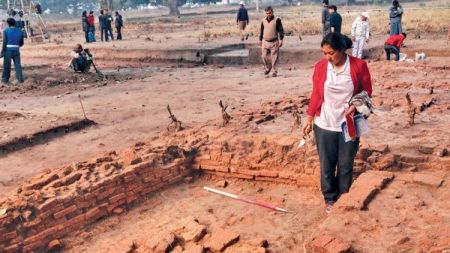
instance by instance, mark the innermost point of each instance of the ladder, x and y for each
(28, 9)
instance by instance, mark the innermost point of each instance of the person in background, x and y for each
(242, 20)
(271, 37)
(109, 21)
(360, 34)
(12, 41)
(393, 44)
(325, 18)
(91, 24)
(119, 25)
(395, 18)
(335, 19)
(81, 59)
(337, 78)
(85, 25)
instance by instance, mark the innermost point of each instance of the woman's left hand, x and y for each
(350, 110)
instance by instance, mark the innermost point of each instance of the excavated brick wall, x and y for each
(65, 200)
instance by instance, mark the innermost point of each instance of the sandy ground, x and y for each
(130, 106)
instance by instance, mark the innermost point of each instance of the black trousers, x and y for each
(391, 50)
(336, 162)
(86, 36)
(104, 34)
(119, 33)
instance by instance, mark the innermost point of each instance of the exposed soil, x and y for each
(255, 152)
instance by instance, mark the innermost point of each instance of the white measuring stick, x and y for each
(250, 201)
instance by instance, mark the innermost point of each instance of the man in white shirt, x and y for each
(360, 34)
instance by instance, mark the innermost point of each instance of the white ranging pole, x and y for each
(255, 202)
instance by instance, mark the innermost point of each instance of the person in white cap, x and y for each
(242, 20)
(360, 34)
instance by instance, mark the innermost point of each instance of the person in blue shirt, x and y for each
(12, 41)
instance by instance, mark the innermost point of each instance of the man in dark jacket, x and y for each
(109, 21)
(105, 25)
(325, 18)
(335, 19)
(12, 41)
(119, 25)
(242, 20)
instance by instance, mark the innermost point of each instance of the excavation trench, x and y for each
(43, 136)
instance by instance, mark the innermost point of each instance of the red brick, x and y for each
(268, 173)
(94, 214)
(129, 178)
(149, 178)
(78, 219)
(66, 211)
(32, 223)
(81, 203)
(8, 236)
(327, 243)
(102, 195)
(175, 179)
(47, 205)
(33, 246)
(116, 198)
(12, 248)
(34, 239)
(131, 199)
(221, 239)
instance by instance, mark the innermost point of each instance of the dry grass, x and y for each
(305, 20)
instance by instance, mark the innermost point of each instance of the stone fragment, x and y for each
(193, 249)
(426, 150)
(244, 248)
(428, 179)
(327, 244)
(190, 230)
(220, 240)
(364, 190)
(117, 210)
(222, 183)
(130, 157)
(54, 246)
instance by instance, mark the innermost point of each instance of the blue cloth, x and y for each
(14, 39)
(242, 14)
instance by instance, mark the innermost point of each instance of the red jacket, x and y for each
(360, 76)
(395, 40)
(91, 20)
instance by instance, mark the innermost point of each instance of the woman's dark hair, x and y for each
(395, 3)
(332, 7)
(84, 14)
(11, 22)
(337, 41)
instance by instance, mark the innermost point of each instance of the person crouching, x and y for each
(81, 59)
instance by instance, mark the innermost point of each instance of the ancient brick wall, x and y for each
(65, 200)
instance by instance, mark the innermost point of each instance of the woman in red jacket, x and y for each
(336, 79)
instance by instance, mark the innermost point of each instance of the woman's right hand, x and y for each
(307, 126)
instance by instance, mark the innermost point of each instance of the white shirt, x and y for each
(338, 90)
(360, 28)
